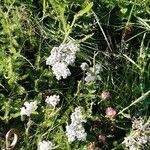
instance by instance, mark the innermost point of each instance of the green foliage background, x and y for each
(117, 31)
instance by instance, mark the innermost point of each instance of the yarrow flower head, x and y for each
(76, 130)
(46, 145)
(138, 138)
(92, 73)
(29, 108)
(61, 57)
(89, 77)
(110, 112)
(52, 100)
(84, 66)
(72, 46)
(77, 117)
(61, 70)
(54, 57)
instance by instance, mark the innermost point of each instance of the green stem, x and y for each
(127, 24)
(70, 29)
(136, 101)
(129, 18)
(44, 7)
(27, 132)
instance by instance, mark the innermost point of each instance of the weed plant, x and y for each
(107, 85)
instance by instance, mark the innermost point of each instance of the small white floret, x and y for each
(52, 100)
(61, 57)
(75, 130)
(84, 66)
(89, 77)
(46, 145)
(61, 70)
(29, 108)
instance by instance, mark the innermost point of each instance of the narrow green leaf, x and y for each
(85, 10)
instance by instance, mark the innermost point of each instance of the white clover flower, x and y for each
(137, 123)
(84, 66)
(46, 145)
(61, 57)
(52, 100)
(128, 141)
(139, 135)
(61, 70)
(75, 130)
(29, 108)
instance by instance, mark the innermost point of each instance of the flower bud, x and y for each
(112, 129)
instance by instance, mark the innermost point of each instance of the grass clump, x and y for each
(75, 74)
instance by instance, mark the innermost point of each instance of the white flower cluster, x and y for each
(84, 66)
(92, 73)
(76, 130)
(29, 108)
(52, 100)
(46, 145)
(61, 57)
(139, 136)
